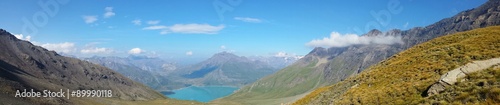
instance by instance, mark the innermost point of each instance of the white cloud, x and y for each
(195, 28)
(91, 49)
(223, 47)
(189, 53)
(406, 25)
(286, 55)
(155, 27)
(248, 19)
(298, 57)
(21, 36)
(153, 22)
(135, 51)
(164, 32)
(281, 54)
(89, 19)
(28, 38)
(187, 28)
(96, 50)
(338, 40)
(137, 22)
(109, 12)
(65, 47)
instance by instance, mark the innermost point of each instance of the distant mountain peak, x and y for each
(139, 57)
(318, 51)
(225, 54)
(2, 31)
(325, 52)
(374, 32)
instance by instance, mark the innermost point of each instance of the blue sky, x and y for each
(196, 29)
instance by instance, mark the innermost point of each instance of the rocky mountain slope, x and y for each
(410, 77)
(224, 69)
(26, 66)
(276, 61)
(326, 66)
(149, 71)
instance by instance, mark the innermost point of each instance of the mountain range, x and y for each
(425, 74)
(27, 66)
(278, 62)
(223, 69)
(151, 71)
(228, 69)
(453, 61)
(327, 66)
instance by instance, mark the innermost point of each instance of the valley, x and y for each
(202, 94)
(345, 62)
(213, 78)
(183, 52)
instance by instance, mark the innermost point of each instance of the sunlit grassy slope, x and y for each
(405, 77)
(274, 89)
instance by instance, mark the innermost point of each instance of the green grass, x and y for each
(291, 81)
(403, 78)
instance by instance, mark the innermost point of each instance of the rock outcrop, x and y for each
(451, 77)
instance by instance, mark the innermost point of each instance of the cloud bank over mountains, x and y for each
(343, 40)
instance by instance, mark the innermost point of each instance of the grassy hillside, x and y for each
(405, 77)
(274, 89)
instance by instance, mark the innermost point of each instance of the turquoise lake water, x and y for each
(202, 94)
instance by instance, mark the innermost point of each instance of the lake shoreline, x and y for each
(201, 93)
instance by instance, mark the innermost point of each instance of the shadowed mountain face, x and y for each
(331, 65)
(223, 69)
(200, 73)
(26, 66)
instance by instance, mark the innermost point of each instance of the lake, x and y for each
(203, 93)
